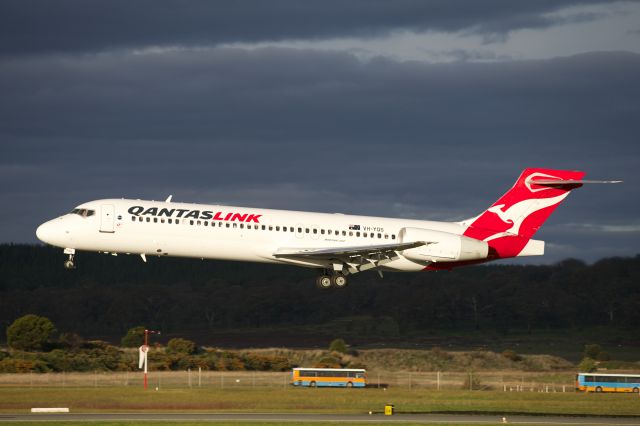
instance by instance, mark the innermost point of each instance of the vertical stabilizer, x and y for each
(508, 225)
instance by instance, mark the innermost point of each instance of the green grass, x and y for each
(20, 399)
(248, 423)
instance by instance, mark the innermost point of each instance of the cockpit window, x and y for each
(83, 212)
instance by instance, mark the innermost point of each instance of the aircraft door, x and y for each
(107, 212)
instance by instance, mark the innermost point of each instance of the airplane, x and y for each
(338, 245)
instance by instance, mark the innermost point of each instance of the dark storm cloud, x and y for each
(33, 26)
(285, 94)
(312, 130)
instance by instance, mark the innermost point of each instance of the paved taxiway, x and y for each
(321, 418)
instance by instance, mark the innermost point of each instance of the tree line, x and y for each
(106, 296)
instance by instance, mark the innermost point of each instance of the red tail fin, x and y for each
(508, 225)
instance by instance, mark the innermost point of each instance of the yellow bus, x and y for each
(330, 377)
(593, 382)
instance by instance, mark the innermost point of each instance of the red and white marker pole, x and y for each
(143, 351)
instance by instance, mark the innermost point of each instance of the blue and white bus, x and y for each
(595, 382)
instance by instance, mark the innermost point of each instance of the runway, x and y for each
(320, 418)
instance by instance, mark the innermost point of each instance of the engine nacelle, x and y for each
(442, 246)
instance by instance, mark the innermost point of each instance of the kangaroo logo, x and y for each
(516, 214)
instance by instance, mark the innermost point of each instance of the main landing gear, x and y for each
(336, 280)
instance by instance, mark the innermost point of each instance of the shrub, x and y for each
(440, 353)
(30, 333)
(280, 363)
(178, 345)
(134, 337)
(587, 365)
(511, 355)
(338, 345)
(328, 362)
(592, 351)
(229, 361)
(10, 365)
(70, 341)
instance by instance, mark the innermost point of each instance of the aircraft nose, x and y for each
(45, 232)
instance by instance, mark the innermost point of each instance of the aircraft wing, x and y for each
(355, 259)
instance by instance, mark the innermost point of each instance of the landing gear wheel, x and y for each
(323, 282)
(68, 264)
(340, 281)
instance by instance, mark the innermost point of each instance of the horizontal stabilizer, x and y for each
(564, 183)
(533, 248)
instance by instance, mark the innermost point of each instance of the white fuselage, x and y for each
(225, 232)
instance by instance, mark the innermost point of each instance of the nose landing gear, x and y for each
(69, 264)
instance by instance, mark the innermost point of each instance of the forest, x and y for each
(107, 295)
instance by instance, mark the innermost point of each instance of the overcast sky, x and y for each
(417, 109)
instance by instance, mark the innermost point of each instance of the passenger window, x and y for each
(228, 225)
(351, 233)
(277, 228)
(235, 225)
(133, 218)
(264, 227)
(379, 235)
(306, 230)
(270, 228)
(300, 230)
(161, 220)
(315, 231)
(206, 223)
(322, 231)
(364, 235)
(155, 220)
(177, 221)
(393, 236)
(170, 220)
(148, 219)
(190, 222)
(358, 234)
(241, 226)
(344, 233)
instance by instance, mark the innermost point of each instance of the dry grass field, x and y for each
(270, 392)
(507, 380)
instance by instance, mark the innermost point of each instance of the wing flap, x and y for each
(333, 252)
(350, 259)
